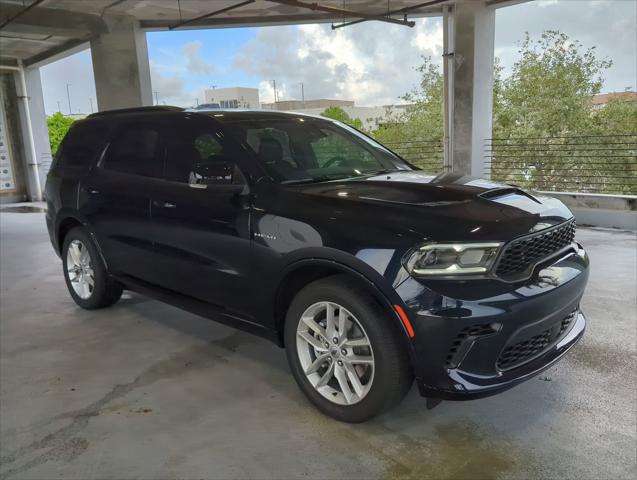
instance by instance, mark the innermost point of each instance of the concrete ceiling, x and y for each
(36, 30)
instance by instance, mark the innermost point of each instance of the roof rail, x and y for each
(158, 108)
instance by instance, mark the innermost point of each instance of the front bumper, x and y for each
(476, 338)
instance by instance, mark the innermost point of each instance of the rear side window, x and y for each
(81, 146)
(136, 150)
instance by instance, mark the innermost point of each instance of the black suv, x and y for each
(309, 233)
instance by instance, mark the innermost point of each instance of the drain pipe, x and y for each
(37, 195)
(448, 68)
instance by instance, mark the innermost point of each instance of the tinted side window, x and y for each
(199, 154)
(136, 150)
(334, 148)
(82, 144)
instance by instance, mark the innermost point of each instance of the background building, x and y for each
(371, 117)
(295, 105)
(234, 97)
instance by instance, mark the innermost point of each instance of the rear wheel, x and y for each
(86, 277)
(343, 352)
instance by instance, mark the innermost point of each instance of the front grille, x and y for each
(521, 255)
(516, 354)
(567, 322)
(467, 333)
(521, 352)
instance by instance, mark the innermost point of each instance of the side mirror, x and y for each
(211, 173)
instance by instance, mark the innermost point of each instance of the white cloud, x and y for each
(170, 80)
(171, 87)
(369, 63)
(195, 64)
(429, 41)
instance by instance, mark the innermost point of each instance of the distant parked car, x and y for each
(309, 233)
(207, 106)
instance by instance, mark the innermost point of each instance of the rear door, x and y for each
(116, 197)
(200, 217)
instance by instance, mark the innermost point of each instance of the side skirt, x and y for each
(196, 306)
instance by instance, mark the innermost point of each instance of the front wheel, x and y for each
(343, 352)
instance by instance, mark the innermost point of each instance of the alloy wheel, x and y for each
(335, 353)
(79, 267)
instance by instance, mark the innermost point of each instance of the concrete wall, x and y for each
(13, 136)
(600, 210)
(321, 103)
(245, 97)
(371, 117)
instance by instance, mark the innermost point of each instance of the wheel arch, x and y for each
(303, 272)
(65, 225)
(69, 220)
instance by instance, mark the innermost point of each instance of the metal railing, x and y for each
(426, 154)
(583, 164)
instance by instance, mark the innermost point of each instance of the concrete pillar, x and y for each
(472, 86)
(37, 152)
(120, 66)
(38, 121)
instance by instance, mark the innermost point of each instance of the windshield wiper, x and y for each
(293, 181)
(327, 178)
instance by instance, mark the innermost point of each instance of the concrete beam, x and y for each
(120, 66)
(56, 53)
(472, 91)
(267, 20)
(51, 21)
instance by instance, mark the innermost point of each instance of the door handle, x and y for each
(91, 190)
(164, 204)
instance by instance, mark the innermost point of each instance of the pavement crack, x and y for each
(65, 444)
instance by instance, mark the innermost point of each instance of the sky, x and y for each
(371, 63)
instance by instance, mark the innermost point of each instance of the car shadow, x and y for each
(514, 410)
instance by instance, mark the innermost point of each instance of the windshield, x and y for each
(304, 149)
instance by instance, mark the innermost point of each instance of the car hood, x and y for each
(444, 207)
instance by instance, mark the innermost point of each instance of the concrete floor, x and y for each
(143, 390)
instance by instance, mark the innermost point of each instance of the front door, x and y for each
(200, 218)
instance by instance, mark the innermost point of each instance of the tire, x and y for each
(382, 382)
(104, 291)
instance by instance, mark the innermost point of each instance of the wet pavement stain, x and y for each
(64, 444)
(22, 209)
(456, 451)
(601, 358)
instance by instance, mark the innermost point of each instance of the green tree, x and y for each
(541, 111)
(57, 125)
(549, 90)
(416, 133)
(543, 119)
(337, 113)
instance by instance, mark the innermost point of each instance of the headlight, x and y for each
(452, 259)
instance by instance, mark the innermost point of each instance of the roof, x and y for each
(253, 114)
(225, 115)
(35, 30)
(604, 98)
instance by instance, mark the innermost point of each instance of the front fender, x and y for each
(376, 284)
